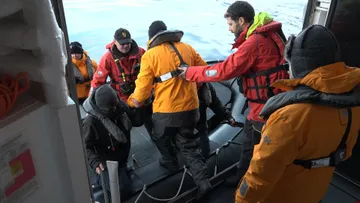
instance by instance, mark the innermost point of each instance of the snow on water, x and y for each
(93, 22)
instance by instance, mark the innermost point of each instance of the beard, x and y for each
(237, 34)
(238, 31)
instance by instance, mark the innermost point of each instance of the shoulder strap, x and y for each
(335, 157)
(117, 62)
(136, 67)
(342, 144)
(175, 72)
(182, 62)
(270, 71)
(277, 37)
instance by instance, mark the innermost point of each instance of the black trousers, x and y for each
(175, 131)
(251, 138)
(148, 124)
(204, 143)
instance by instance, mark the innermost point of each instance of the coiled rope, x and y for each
(10, 89)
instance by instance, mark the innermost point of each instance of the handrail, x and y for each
(112, 167)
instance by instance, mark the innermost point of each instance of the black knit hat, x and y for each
(314, 47)
(76, 48)
(156, 27)
(122, 36)
(106, 98)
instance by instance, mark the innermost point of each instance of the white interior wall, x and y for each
(32, 42)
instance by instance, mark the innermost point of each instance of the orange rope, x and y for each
(10, 90)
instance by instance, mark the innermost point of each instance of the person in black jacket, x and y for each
(208, 98)
(106, 130)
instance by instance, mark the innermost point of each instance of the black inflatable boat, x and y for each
(153, 183)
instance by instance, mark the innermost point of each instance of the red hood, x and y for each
(273, 26)
(109, 46)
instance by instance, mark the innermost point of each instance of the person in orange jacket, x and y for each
(257, 63)
(84, 69)
(175, 105)
(310, 128)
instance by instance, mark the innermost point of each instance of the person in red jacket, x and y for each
(121, 62)
(257, 63)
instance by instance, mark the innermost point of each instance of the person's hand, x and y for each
(136, 103)
(183, 72)
(232, 122)
(148, 101)
(99, 169)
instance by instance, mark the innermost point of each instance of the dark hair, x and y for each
(240, 9)
(156, 27)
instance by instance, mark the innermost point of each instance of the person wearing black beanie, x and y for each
(106, 131)
(156, 27)
(314, 47)
(84, 68)
(76, 48)
(310, 128)
(176, 105)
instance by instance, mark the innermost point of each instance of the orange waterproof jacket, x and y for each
(302, 130)
(84, 70)
(175, 94)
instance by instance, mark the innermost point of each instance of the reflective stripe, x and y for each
(166, 76)
(174, 73)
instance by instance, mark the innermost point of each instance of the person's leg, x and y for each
(148, 125)
(125, 183)
(247, 150)
(247, 147)
(161, 137)
(257, 127)
(189, 147)
(148, 119)
(204, 144)
(201, 127)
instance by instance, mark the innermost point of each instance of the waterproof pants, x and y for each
(172, 131)
(251, 138)
(202, 129)
(204, 143)
(148, 124)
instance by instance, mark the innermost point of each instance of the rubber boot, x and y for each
(204, 187)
